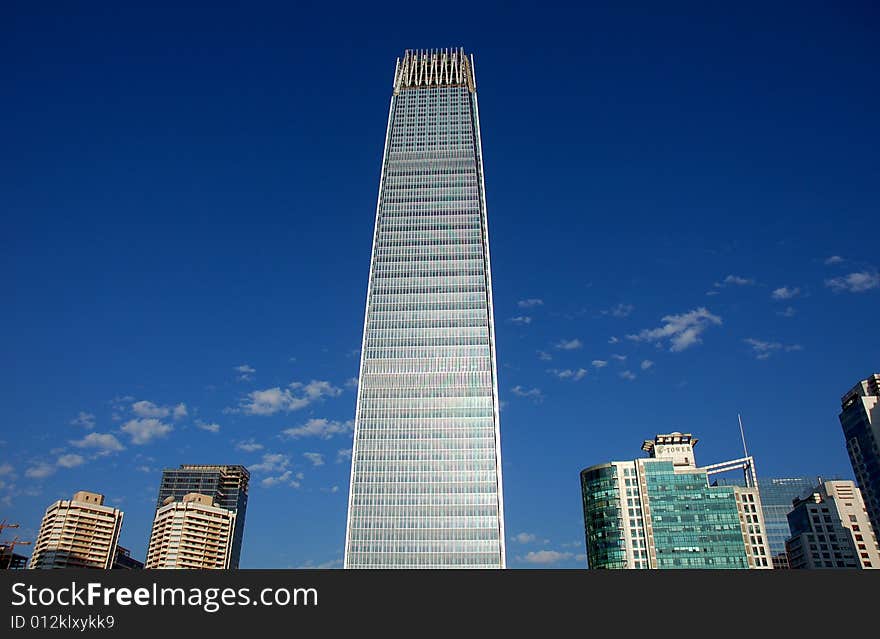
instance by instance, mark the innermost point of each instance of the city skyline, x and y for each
(189, 236)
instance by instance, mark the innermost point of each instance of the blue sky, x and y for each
(682, 211)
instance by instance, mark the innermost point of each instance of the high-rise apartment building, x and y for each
(227, 486)
(78, 533)
(124, 560)
(860, 419)
(661, 512)
(830, 529)
(426, 462)
(192, 533)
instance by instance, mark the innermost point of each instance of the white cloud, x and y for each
(546, 557)
(569, 344)
(272, 463)
(84, 420)
(788, 312)
(520, 319)
(6, 469)
(351, 382)
(39, 471)
(682, 331)
(280, 479)
(600, 363)
(854, 282)
(530, 303)
(143, 431)
(834, 259)
(319, 427)
(785, 293)
(619, 358)
(762, 349)
(246, 372)
(342, 454)
(71, 460)
(574, 375)
(249, 446)
(646, 364)
(297, 395)
(144, 408)
(317, 459)
(210, 427)
(621, 310)
(734, 280)
(105, 443)
(628, 375)
(524, 538)
(613, 340)
(533, 393)
(544, 356)
(179, 411)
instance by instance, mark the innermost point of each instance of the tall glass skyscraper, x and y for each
(426, 463)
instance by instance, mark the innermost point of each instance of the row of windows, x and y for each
(431, 353)
(440, 364)
(428, 381)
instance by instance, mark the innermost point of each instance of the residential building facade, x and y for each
(860, 420)
(78, 533)
(226, 485)
(192, 533)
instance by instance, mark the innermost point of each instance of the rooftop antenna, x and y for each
(742, 434)
(749, 467)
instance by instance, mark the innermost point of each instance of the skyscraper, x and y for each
(860, 419)
(660, 512)
(78, 533)
(426, 462)
(830, 529)
(227, 486)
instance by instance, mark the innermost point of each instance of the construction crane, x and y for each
(10, 548)
(4, 525)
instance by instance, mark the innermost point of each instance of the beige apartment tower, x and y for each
(191, 534)
(78, 533)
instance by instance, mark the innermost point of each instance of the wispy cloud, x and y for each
(84, 420)
(287, 477)
(296, 396)
(39, 471)
(179, 411)
(613, 340)
(854, 282)
(569, 344)
(620, 310)
(245, 372)
(734, 280)
(144, 408)
(317, 459)
(211, 427)
(71, 460)
(319, 427)
(544, 356)
(789, 311)
(646, 364)
(530, 303)
(546, 557)
(103, 443)
(249, 446)
(534, 394)
(599, 363)
(834, 259)
(574, 375)
(682, 331)
(628, 375)
(143, 431)
(271, 463)
(619, 358)
(342, 455)
(521, 320)
(762, 349)
(785, 293)
(525, 538)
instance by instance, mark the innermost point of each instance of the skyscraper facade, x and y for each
(830, 529)
(227, 486)
(426, 462)
(860, 419)
(661, 512)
